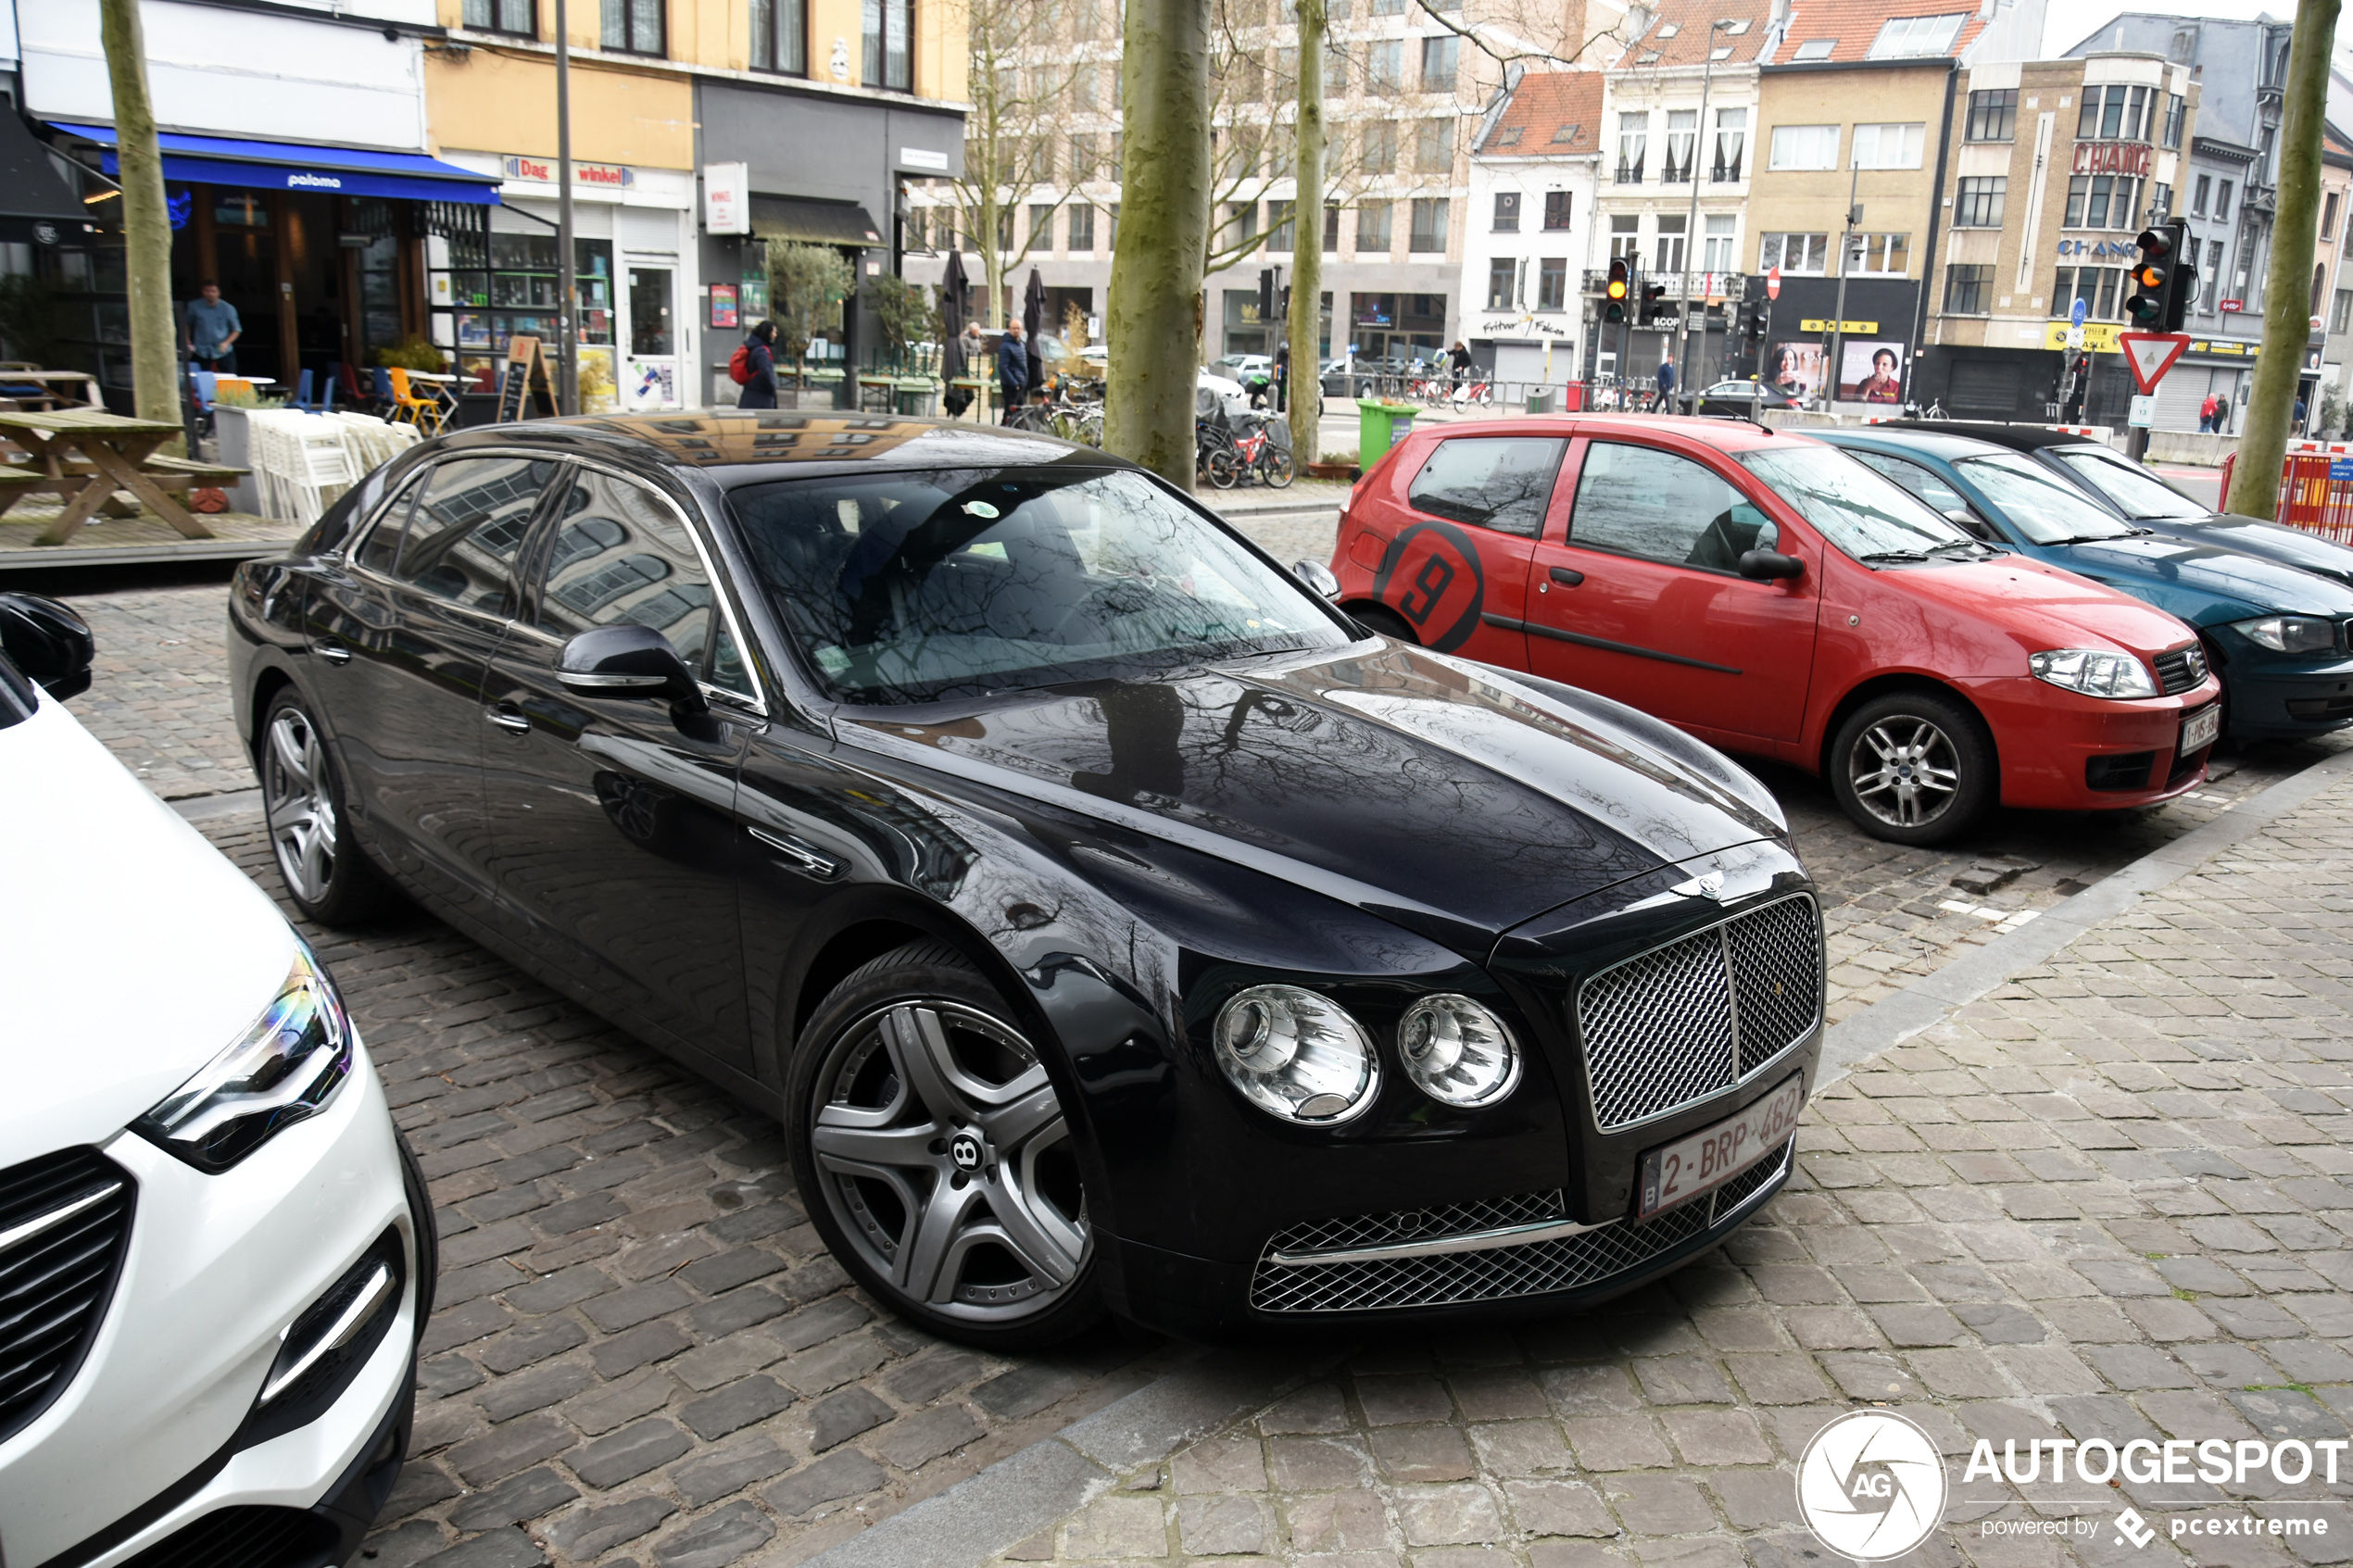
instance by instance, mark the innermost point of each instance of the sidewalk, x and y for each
(2106, 1200)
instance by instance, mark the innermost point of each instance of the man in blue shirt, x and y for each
(213, 330)
(1013, 370)
(1666, 384)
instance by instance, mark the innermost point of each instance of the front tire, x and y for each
(326, 873)
(1279, 471)
(933, 1154)
(1913, 768)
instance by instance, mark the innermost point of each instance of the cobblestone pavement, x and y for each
(641, 1353)
(2110, 1200)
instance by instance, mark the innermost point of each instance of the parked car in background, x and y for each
(2137, 495)
(1742, 399)
(1016, 833)
(216, 1254)
(1772, 595)
(2274, 635)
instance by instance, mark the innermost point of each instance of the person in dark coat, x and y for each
(1012, 371)
(760, 346)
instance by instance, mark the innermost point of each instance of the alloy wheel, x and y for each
(1904, 771)
(947, 1160)
(298, 805)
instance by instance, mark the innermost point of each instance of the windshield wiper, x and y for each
(1893, 555)
(1962, 544)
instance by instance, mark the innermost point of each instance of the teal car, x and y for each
(2276, 637)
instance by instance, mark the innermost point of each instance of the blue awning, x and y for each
(291, 166)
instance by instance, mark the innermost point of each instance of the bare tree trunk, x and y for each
(1154, 320)
(1307, 241)
(155, 359)
(2287, 305)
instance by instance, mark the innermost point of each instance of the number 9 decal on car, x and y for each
(1431, 576)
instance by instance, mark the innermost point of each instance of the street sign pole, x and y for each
(2149, 356)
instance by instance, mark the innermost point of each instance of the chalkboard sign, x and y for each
(526, 374)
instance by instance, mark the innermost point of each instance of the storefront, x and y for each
(1874, 341)
(631, 260)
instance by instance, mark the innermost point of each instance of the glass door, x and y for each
(652, 381)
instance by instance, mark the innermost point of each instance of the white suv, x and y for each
(215, 1252)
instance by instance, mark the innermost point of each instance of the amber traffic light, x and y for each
(2162, 280)
(1621, 282)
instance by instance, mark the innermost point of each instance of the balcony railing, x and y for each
(1629, 173)
(1725, 173)
(1673, 173)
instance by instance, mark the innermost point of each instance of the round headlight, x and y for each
(1296, 1055)
(1458, 1052)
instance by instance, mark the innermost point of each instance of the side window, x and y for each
(1502, 483)
(1920, 482)
(380, 549)
(1638, 501)
(467, 527)
(621, 556)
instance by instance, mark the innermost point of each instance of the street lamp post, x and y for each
(1845, 261)
(1691, 224)
(567, 283)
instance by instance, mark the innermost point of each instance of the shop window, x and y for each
(518, 17)
(510, 288)
(780, 36)
(633, 27)
(890, 27)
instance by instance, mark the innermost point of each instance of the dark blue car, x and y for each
(2275, 635)
(2140, 497)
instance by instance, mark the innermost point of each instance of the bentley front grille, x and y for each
(1698, 1015)
(1463, 1253)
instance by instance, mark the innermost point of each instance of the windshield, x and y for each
(2037, 503)
(1868, 515)
(2135, 490)
(911, 586)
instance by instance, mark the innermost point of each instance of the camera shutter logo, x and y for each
(1871, 1485)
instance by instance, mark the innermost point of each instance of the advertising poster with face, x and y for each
(1871, 372)
(1797, 368)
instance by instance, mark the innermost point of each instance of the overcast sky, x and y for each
(2067, 21)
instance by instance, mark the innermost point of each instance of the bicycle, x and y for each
(1264, 458)
(1215, 457)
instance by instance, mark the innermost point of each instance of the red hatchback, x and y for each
(1771, 595)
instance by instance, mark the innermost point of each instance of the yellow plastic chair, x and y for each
(409, 407)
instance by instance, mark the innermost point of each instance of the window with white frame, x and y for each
(1682, 141)
(1889, 147)
(1794, 253)
(1503, 281)
(1671, 235)
(1910, 37)
(1625, 236)
(1731, 145)
(1805, 146)
(1633, 140)
(1722, 249)
(1888, 254)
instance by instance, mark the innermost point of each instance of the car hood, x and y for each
(1446, 796)
(2041, 605)
(2289, 547)
(132, 952)
(2202, 579)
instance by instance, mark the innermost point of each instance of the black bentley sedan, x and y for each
(1111, 921)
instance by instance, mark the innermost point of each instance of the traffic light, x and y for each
(1654, 300)
(2163, 280)
(1267, 294)
(1621, 278)
(1756, 324)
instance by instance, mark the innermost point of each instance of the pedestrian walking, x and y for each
(213, 330)
(753, 368)
(1667, 385)
(1282, 379)
(2205, 414)
(1012, 371)
(1458, 367)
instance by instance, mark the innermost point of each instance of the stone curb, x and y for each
(1012, 1499)
(1893, 1020)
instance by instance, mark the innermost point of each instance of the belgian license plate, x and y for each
(2201, 728)
(1713, 1156)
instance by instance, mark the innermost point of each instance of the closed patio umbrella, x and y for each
(952, 362)
(1032, 317)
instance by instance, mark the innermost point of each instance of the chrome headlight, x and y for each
(1296, 1055)
(2289, 634)
(285, 1068)
(1458, 1052)
(2094, 673)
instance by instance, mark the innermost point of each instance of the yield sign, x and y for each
(1773, 283)
(2150, 355)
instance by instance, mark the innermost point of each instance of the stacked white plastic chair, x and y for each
(302, 463)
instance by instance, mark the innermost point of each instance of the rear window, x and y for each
(1499, 482)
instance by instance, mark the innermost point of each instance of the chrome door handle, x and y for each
(821, 866)
(335, 653)
(514, 723)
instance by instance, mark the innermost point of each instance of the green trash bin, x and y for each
(1380, 426)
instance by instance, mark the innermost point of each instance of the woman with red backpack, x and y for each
(753, 368)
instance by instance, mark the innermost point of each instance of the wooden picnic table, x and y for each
(53, 384)
(86, 455)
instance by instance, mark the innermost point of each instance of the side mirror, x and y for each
(1318, 576)
(1969, 523)
(1765, 565)
(49, 643)
(627, 661)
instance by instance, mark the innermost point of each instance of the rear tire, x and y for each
(1279, 471)
(326, 873)
(978, 1233)
(1222, 469)
(1914, 767)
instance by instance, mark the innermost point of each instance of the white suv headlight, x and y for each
(285, 1068)
(2095, 672)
